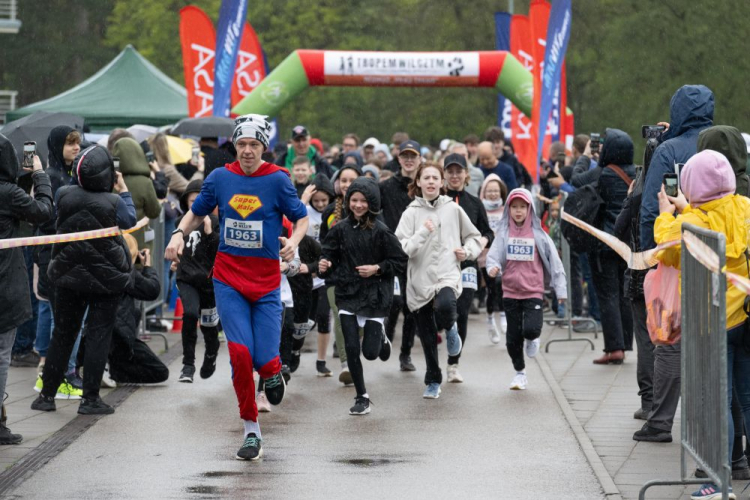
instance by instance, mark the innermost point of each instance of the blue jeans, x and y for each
(738, 375)
(26, 333)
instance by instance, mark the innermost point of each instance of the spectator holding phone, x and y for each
(16, 206)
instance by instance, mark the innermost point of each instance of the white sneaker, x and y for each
(261, 401)
(531, 347)
(106, 379)
(519, 382)
(453, 375)
(503, 323)
(492, 330)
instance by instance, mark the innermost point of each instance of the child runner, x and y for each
(529, 262)
(493, 194)
(317, 197)
(335, 212)
(361, 256)
(457, 178)
(252, 197)
(197, 289)
(437, 235)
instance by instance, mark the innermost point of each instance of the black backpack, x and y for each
(586, 204)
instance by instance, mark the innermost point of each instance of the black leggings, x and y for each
(438, 314)
(463, 304)
(525, 320)
(371, 345)
(194, 302)
(68, 308)
(320, 312)
(494, 292)
(288, 342)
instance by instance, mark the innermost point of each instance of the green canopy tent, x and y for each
(127, 91)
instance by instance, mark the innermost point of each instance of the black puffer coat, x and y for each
(617, 150)
(350, 244)
(97, 266)
(17, 206)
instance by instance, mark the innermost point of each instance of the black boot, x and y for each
(7, 437)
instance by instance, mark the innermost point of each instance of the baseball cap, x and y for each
(298, 131)
(455, 159)
(410, 145)
(371, 142)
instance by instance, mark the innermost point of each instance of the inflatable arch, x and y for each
(304, 68)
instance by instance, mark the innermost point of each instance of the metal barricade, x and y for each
(157, 263)
(568, 320)
(704, 429)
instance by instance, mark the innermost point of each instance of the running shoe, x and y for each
(294, 362)
(432, 391)
(94, 407)
(454, 376)
(406, 364)
(275, 386)
(7, 437)
(322, 369)
(65, 391)
(209, 365)
(492, 330)
(453, 341)
(519, 382)
(187, 374)
(286, 372)
(107, 379)
(710, 491)
(361, 406)
(74, 379)
(532, 347)
(385, 349)
(42, 403)
(251, 448)
(345, 377)
(503, 323)
(261, 401)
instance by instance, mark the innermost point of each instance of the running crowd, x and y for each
(267, 244)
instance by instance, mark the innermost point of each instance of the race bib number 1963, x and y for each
(521, 249)
(243, 233)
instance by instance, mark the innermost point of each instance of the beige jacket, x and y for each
(432, 263)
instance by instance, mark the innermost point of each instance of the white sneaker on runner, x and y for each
(261, 401)
(532, 347)
(106, 379)
(492, 329)
(519, 382)
(453, 375)
(503, 323)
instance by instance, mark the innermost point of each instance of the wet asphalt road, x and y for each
(478, 440)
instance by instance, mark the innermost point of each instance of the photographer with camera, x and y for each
(16, 206)
(691, 110)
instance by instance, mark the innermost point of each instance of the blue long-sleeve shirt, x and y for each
(126, 211)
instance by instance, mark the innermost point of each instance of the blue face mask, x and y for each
(492, 205)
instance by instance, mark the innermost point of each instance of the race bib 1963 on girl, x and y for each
(243, 233)
(521, 249)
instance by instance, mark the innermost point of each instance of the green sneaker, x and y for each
(65, 391)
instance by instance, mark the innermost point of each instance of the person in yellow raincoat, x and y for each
(708, 184)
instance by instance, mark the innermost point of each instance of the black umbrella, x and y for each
(36, 127)
(208, 126)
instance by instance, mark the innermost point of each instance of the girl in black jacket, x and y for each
(361, 256)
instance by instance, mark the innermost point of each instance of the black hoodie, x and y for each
(350, 244)
(16, 206)
(199, 255)
(97, 266)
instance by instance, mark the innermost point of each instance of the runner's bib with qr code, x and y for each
(521, 249)
(469, 278)
(243, 233)
(396, 286)
(209, 317)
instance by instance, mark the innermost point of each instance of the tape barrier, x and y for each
(635, 260)
(68, 237)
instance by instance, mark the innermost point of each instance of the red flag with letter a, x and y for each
(538, 19)
(250, 69)
(198, 49)
(567, 132)
(520, 124)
